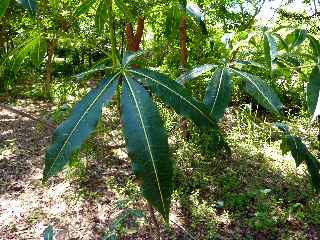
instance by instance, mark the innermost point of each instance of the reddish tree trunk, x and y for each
(134, 40)
(183, 41)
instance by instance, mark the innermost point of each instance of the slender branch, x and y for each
(28, 115)
(112, 33)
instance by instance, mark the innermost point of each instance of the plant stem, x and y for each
(112, 33)
(154, 222)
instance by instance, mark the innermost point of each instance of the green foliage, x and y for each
(147, 145)
(3, 7)
(30, 5)
(313, 90)
(101, 15)
(145, 136)
(218, 93)
(69, 136)
(261, 92)
(194, 73)
(270, 49)
(295, 38)
(48, 233)
(301, 154)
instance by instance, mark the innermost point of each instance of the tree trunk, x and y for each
(48, 74)
(183, 42)
(183, 63)
(134, 40)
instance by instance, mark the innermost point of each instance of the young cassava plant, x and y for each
(143, 129)
(218, 94)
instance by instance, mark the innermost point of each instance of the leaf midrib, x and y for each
(216, 97)
(74, 128)
(256, 87)
(195, 107)
(147, 139)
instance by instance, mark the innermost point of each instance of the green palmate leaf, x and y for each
(270, 49)
(313, 89)
(194, 73)
(194, 11)
(48, 233)
(4, 4)
(101, 15)
(295, 38)
(175, 96)
(315, 44)
(218, 93)
(30, 5)
(260, 91)
(38, 51)
(71, 133)
(301, 154)
(147, 145)
(84, 7)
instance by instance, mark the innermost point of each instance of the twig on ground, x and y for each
(184, 230)
(28, 115)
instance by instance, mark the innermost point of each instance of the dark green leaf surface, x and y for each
(282, 126)
(71, 133)
(298, 150)
(48, 233)
(194, 73)
(30, 5)
(174, 95)
(101, 15)
(218, 93)
(313, 89)
(260, 91)
(84, 7)
(147, 145)
(315, 44)
(301, 154)
(296, 38)
(270, 49)
(4, 4)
